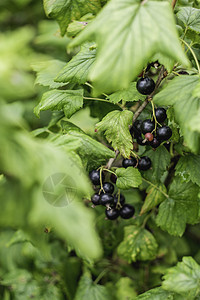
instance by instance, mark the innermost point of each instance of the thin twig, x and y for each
(111, 160)
(174, 3)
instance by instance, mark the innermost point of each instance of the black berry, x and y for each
(112, 214)
(106, 199)
(129, 162)
(141, 142)
(164, 133)
(144, 163)
(96, 199)
(145, 86)
(147, 126)
(127, 211)
(155, 143)
(113, 178)
(136, 128)
(161, 114)
(95, 177)
(121, 199)
(108, 187)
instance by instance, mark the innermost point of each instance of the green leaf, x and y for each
(179, 93)
(154, 197)
(47, 71)
(129, 94)
(190, 17)
(65, 11)
(128, 34)
(184, 278)
(77, 69)
(180, 208)
(194, 124)
(164, 60)
(87, 290)
(159, 294)
(128, 178)
(116, 127)
(69, 101)
(138, 244)
(125, 289)
(188, 168)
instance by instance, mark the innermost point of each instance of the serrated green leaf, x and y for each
(159, 294)
(75, 27)
(138, 244)
(128, 33)
(194, 124)
(68, 100)
(154, 197)
(87, 290)
(125, 289)
(179, 93)
(164, 60)
(47, 71)
(184, 278)
(188, 168)
(65, 11)
(116, 127)
(128, 178)
(180, 208)
(129, 94)
(190, 17)
(78, 67)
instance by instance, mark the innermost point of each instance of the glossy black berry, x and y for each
(127, 211)
(155, 143)
(113, 178)
(147, 126)
(129, 162)
(106, 199)
(108, 187)
(145, 86)
(96, 199)
(161, 114)
(164, 133)
(112, 214)
(136, 128)
(144, 163)
(140, 141)
(95, 177)
(121, 199)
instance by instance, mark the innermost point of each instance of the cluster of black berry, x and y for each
(114, 203)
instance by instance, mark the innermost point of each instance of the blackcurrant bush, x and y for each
(147, 126)
(163, 133)
(108, 187)
(127, 211)
(112, 214)
(145, 86)
(106, 199)
(95, 177)
(113, 178)
(155, 143)
(129, 162)
(96, 199)
(121, 199)
(144, 163)
(149, 136)
(161, 114)
(141, 142)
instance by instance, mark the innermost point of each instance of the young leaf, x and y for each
(180, 208)
(128, 178)
(125, 289)
(65, 11)
(188, 168)
(138, 244)
(128, 34)
(179, 93)
(116, 127)
(159, 294)
(190, 17)
(69, 101)
(77, 69)
(184, 278)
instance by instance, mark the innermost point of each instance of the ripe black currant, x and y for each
(161, 114)
(95, 177)
(96, 199)
(129, 162)
(163, 133)
(144, 163)
(106, 199)
(136, 128)
(108, 187)
(127, 211)
(141, 142)
(145, 86)
(155, 143)
(121, 199)
(147, 126)
(112, 214)
(113, 178)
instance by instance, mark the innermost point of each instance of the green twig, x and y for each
(167, 196)
(193, 54)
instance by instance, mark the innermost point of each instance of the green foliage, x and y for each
(188, 168)
(128, 178)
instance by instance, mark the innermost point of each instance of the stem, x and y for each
(111, 160)
(88, 84)
(193, 54)
(174, 3)
(107, 170)
(167, 196)
(146, 219)
(171, 150)
(98, 99)
(100, 276)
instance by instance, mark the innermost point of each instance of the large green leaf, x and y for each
(69, 101)
(116, 127)
(125, 289)
(77, 69)
(128, 33)
(159, 294)
(128, 178)
(184, 278)
(179, 93)
(138, 244)
(65, 11)
(179, 208)
(190, 17)
(188, 168)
